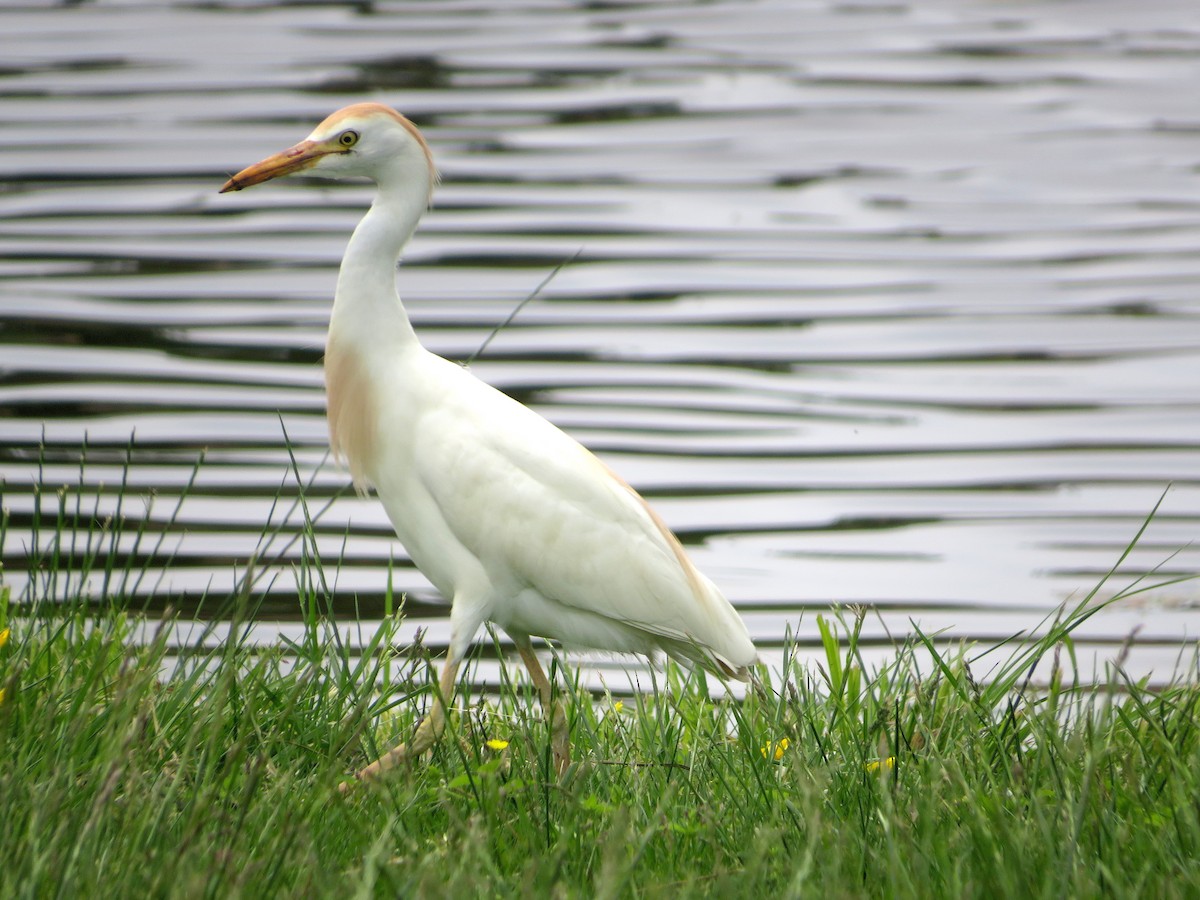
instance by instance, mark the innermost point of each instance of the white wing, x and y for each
(539, 511)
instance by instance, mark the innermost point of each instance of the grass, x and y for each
(131, 768)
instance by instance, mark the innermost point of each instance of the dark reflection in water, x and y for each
(891, 304)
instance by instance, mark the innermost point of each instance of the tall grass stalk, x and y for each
(150, 767)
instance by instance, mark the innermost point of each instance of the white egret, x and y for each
(511, 520)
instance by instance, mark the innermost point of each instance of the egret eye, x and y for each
(348, 138)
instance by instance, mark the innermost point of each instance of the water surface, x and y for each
(881, 304)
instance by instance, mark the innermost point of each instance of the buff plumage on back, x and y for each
(692, 576)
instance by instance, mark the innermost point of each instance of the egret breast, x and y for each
(350, 403)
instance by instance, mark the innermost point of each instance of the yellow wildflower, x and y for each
(876, 764)
(1, 696)
(3, 637)
(618, 706)
(497, 744)
(776, 749)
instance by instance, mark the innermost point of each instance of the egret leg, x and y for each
(560, 736)
(427, 732)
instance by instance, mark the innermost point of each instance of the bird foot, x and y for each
(427, 732)
(394, 757)
(560, 739)
(562, 759)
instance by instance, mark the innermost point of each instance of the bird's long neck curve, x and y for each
(369, 331)
(366, 309)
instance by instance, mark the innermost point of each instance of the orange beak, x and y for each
(286, 162)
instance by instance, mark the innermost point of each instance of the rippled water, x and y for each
(881, 303)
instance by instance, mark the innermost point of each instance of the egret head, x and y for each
(367, 140)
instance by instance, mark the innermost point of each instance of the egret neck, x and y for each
(369, 331)
(367, 310)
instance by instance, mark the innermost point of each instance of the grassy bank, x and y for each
(220, 778)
